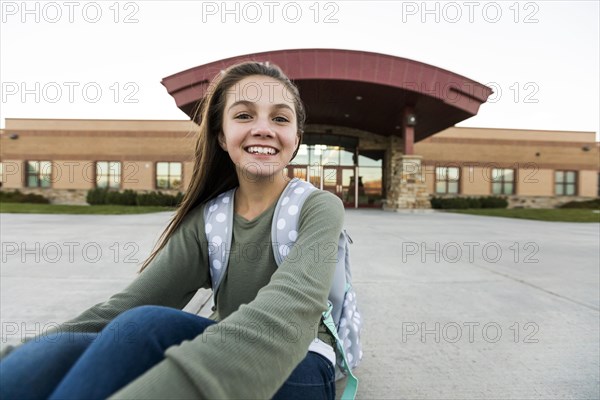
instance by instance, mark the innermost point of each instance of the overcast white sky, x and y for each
(105, 59)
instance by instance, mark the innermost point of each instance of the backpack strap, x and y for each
(352, 381)
(284, 230)
(218, 225)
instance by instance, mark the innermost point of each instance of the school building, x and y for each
(380, 133)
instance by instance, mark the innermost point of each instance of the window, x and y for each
(302, 156)
(168, 175)
(321, 154)
(565, 183)
(108, 174)
(447, 179)
(38, 174)
(503, 181)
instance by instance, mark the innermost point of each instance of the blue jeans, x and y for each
(96, 365)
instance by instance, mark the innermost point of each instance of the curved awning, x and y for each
(356, 89)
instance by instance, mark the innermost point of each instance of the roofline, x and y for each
(258, 54)
(72, 125)
(97, 119)
(520, 129)
(416, 84)
(187, 121)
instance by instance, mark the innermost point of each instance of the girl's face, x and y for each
(259, 126)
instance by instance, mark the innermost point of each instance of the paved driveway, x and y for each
(455, 306)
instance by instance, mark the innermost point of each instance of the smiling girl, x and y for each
(264, 338)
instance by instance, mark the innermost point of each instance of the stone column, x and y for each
(406, 184)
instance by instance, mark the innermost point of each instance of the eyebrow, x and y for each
(251, 104)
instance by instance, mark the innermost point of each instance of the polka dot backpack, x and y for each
(341, 315)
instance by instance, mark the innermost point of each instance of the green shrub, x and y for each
(475, 202)
(159, 199)
(131, 198)
(97, 196)
(457, 203)
(35, 198)
(435, 202)
(18, 197)
(125, 198)
(148, 199)
(587, 204)
(449, 203)
(493, 202)
(112, 197)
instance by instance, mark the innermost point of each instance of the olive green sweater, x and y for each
(267, 315)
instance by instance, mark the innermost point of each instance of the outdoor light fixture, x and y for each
(14, 136)
(585, 148)
(411, 120)
(359, 98)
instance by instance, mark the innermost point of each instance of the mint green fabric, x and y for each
(352, 380)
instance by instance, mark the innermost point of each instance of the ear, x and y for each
(297, 140)
(296, 143)
(222, 143)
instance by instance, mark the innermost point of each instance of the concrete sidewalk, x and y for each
(454, 306)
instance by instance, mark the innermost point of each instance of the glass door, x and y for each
(347, 186)
(340, 181)
(296, 171)
(330, 180)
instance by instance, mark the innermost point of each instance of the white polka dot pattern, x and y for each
(218, 213)
(285, 232)
(349, 331)
(284, 250)
(293, 235)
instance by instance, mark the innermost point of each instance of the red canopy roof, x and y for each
(356, 89)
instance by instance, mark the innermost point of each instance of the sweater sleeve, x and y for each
(170, 280)
(252, 352)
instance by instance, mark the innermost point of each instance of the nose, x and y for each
(261, 129)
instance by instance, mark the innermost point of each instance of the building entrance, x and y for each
(335, 169)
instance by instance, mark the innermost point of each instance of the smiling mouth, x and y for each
(262, 150)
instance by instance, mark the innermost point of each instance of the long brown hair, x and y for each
(214, 172)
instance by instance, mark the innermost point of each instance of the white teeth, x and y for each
(261, 150)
